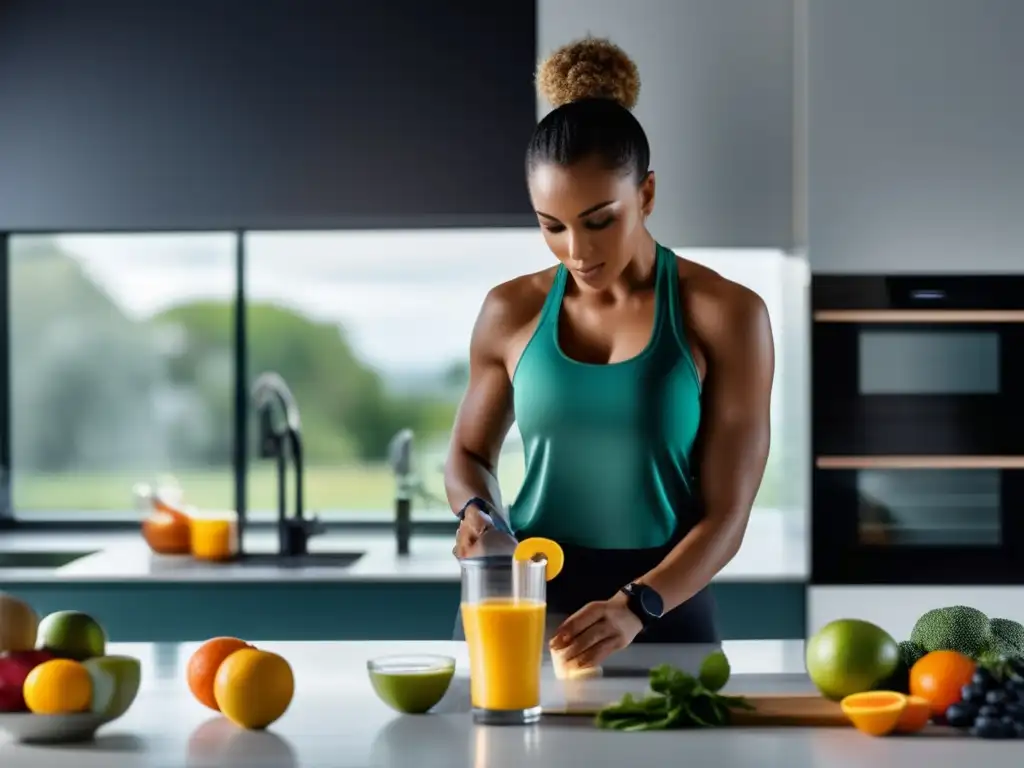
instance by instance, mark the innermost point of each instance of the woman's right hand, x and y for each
(470, 530)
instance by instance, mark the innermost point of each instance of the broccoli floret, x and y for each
(1007, 637)
(910, 652)
(990, 658)
(954, 628)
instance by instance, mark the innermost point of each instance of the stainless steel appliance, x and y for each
(917, 430)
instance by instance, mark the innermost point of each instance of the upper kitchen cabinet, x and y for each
(173, 114)
(916, 136)
(716, 100)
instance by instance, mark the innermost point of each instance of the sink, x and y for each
(39, 559)
(310, 560)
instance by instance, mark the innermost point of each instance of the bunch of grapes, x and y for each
(992, 704)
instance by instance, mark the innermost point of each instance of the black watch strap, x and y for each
(477, 502)
(494, 517)
(643, 602)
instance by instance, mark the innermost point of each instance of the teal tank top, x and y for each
(608, 448)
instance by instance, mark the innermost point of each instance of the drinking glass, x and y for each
(503, 611)
(214, 535)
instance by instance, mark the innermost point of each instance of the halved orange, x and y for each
(538, 548)
(876, 713)
(915, 716)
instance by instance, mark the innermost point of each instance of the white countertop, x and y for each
(771, 552)
(335, 721)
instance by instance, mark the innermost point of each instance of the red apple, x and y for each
(14, 668)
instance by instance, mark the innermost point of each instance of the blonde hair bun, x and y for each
(587, 69)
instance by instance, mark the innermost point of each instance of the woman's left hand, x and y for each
(596, 631)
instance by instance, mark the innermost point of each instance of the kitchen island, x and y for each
(336, 721)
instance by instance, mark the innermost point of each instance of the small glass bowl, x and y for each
(411, 684)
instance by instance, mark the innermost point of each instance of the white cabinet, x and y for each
(717, 104)
(916, 135)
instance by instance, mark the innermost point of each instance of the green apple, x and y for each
(115, 683)
(72, 635)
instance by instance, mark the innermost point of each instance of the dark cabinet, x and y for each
(271, 114)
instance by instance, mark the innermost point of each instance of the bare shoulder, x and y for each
(510, 308)
(719, 310)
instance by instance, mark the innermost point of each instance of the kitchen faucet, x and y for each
(408, 485)
(281, 440)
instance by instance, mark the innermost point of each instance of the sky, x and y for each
(407, 299)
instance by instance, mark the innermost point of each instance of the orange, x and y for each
(546, 549)
(938, 677)
(254, 688)
(915, 716)
(875, 713)
(58, 687)
(204, 663)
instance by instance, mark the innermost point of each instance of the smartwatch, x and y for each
(645, 603)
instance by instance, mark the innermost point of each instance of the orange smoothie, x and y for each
(506, 642)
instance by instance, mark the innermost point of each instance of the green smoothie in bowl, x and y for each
(411, 684)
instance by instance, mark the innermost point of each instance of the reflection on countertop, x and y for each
(774, 550)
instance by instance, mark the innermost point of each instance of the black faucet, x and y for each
(280, 438)
(409, 485)
(400, 458)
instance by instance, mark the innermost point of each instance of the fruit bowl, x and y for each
(115, 685)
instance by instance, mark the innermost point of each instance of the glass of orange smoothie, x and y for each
(503, 608)
(214, 535)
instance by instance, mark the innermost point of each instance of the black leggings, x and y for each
(597, 574)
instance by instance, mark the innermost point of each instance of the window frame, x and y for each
(123, 520)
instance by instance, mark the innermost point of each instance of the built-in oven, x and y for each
(917, 430)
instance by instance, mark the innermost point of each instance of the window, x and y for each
(112, 379)
(123, 350)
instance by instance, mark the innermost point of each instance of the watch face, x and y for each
(651, 602)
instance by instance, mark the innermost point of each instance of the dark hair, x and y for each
(591, 127)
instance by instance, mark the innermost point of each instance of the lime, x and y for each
(850, 656)
(714, 672)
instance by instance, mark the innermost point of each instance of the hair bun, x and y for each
(586, 69)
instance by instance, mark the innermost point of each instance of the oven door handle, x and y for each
(919, 316)
(919, 462)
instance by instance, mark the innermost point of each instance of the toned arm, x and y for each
(485, 414)
(732, 325)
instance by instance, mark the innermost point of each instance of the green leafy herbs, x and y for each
(677, 700)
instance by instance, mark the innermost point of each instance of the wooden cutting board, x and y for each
(795, 710)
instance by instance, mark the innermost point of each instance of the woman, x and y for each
(640, 383)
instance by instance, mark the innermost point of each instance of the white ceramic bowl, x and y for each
(51, 729)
